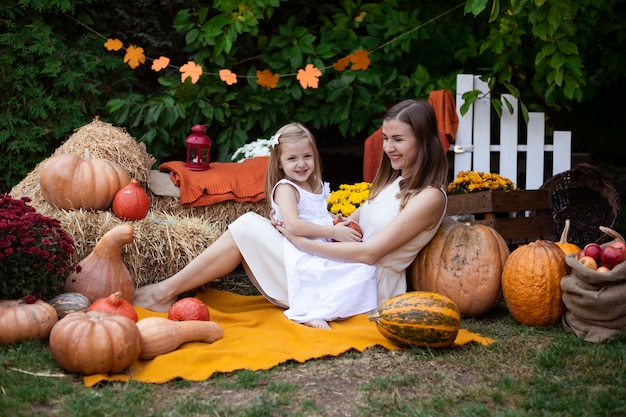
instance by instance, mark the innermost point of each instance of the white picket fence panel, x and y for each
(474, 147)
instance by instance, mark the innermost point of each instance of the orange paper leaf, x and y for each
(134, 56)
(228, 77)
(342, 63)
(266, 79)
(360, 60)
(159, 64)
(309, 76)
(192, 70)
(113, 44)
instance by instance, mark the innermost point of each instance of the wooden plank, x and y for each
(463, 161)
(508, 139)
(499, 201)
(524, 229)
(482, 128)
(535, 158)
(562, 159)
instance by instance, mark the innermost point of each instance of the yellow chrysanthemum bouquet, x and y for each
(474, 181)
(348, 198)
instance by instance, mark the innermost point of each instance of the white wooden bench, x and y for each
(477, 148)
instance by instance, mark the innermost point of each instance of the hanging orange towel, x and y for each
(239, 181)
(257, 336)
(442, 103)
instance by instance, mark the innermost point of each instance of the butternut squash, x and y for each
(160, 335)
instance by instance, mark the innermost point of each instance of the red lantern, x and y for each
(198, 149)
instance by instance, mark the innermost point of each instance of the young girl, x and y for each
(319, 290)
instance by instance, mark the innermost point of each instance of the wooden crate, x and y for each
(520, 216)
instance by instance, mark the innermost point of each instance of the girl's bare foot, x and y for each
(318, 324)
(146, 297)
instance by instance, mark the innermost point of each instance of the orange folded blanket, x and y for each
(257, 336)
(239, 181)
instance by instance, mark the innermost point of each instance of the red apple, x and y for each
(588, 262)
(593, 250)
(619, 244)
(611, 256)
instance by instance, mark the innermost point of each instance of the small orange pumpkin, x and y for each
(189, 308)
(531, 283)
(68, 182)
(564, 244)
(115, 304)
(464, 262)
(131, 202)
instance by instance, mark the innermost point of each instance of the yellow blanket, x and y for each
(257, 336)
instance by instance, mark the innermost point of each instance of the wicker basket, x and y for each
(583, 196)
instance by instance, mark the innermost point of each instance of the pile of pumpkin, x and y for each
(96, 310)
(465, 271)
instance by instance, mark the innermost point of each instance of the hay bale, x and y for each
(166, 240)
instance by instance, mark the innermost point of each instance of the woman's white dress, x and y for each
(262, 248)
(318, 288)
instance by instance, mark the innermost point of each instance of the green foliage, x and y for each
(283, 37)
(549, 53)
(54, 78)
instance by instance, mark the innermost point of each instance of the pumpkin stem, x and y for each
(111, 243)
(612, 233)
(565, 232)
(115, 299)
(374, 317)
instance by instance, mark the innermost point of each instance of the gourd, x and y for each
(22, 320)
(131, 202)
(68, 182)
(189, 308)
(103, 271)
(69, 302)
(419, 318)
(95, 342)
(160, 335)
(565, 246)
(115, 304)
(463, 262)
(531, 283)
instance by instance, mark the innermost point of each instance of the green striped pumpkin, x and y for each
(419, 318)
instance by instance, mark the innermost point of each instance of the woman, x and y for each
(406, 206)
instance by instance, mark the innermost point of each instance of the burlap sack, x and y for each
(595, 302)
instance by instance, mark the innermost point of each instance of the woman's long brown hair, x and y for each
(431, 166)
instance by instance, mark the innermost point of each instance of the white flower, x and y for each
(274, 140)
(260, 147)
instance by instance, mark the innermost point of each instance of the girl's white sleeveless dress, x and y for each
(261, 246)
(319, 288)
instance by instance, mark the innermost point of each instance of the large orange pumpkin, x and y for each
(70, 182)
(95, 342)
(531, 283)
(463, 262)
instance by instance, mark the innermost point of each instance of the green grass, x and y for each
(530, 371)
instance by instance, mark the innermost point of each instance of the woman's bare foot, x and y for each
(318, 324)
(146, 297)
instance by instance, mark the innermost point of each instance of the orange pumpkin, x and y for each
(463, 262)
(70, 182)
(131, 202)
(115, 304)
(95, 342)
(564, 244)
(103, 272)
(189, 308)
(24, 319)
(531, 283)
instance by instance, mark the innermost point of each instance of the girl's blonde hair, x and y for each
(431, 167)
(290, 133)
